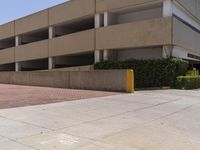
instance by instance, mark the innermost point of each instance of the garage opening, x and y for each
(35, 36)
(32, 65)
(7, 43)
(135, 14)
(74, 60)
(7, 67)
(73, 27)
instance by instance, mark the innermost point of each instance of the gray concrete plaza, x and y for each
(146, 120)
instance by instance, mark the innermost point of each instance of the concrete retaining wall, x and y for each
(105, 80)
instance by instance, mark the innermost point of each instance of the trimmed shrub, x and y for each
(188, 82)
(150, 73)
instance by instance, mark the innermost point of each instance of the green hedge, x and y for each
(188, 82)
(150, 73)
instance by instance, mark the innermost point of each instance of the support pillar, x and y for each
(18, 42)
(51, 60)
(105, 54)
(51, 32)
(51, 63)
(98, 22)
(18, 67)
(106, 23)
(97, 56)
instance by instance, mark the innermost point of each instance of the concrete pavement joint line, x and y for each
(139, 124)
(176, 112)
(162, 117)
(136, 102)
(108, 117)
(52, 130)
(77, 136)
(15, 141)
(27, 123)
(111, 116)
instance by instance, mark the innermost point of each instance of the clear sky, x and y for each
(13, 9)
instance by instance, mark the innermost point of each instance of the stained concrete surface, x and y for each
(18, 96)
(146, 120)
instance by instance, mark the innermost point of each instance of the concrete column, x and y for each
(18, 40)
(51, 32)
(17, 43)
(105, 54)
(106, 19)
(97, 20)
(51, 60)
(109, 19)
(18, 67)
(167, 8)
(97, 56)
(97, 25)
(51, 63)
(106, 23)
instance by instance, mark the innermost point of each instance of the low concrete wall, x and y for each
(105, 80)
(112, 80)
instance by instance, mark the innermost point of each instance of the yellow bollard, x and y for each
(130, 81)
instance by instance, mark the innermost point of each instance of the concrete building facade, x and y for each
(83, 32)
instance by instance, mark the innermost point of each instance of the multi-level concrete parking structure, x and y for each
(82, 32)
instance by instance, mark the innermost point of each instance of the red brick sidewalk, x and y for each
(18, 96)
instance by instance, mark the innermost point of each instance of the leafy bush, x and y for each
(188, 82)
(150, 73)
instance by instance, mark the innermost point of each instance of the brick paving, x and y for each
(19, 96)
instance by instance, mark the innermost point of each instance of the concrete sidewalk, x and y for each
(146, 120)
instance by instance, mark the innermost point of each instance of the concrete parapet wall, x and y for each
(104, 80)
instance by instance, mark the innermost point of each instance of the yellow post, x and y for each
(130, 81)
